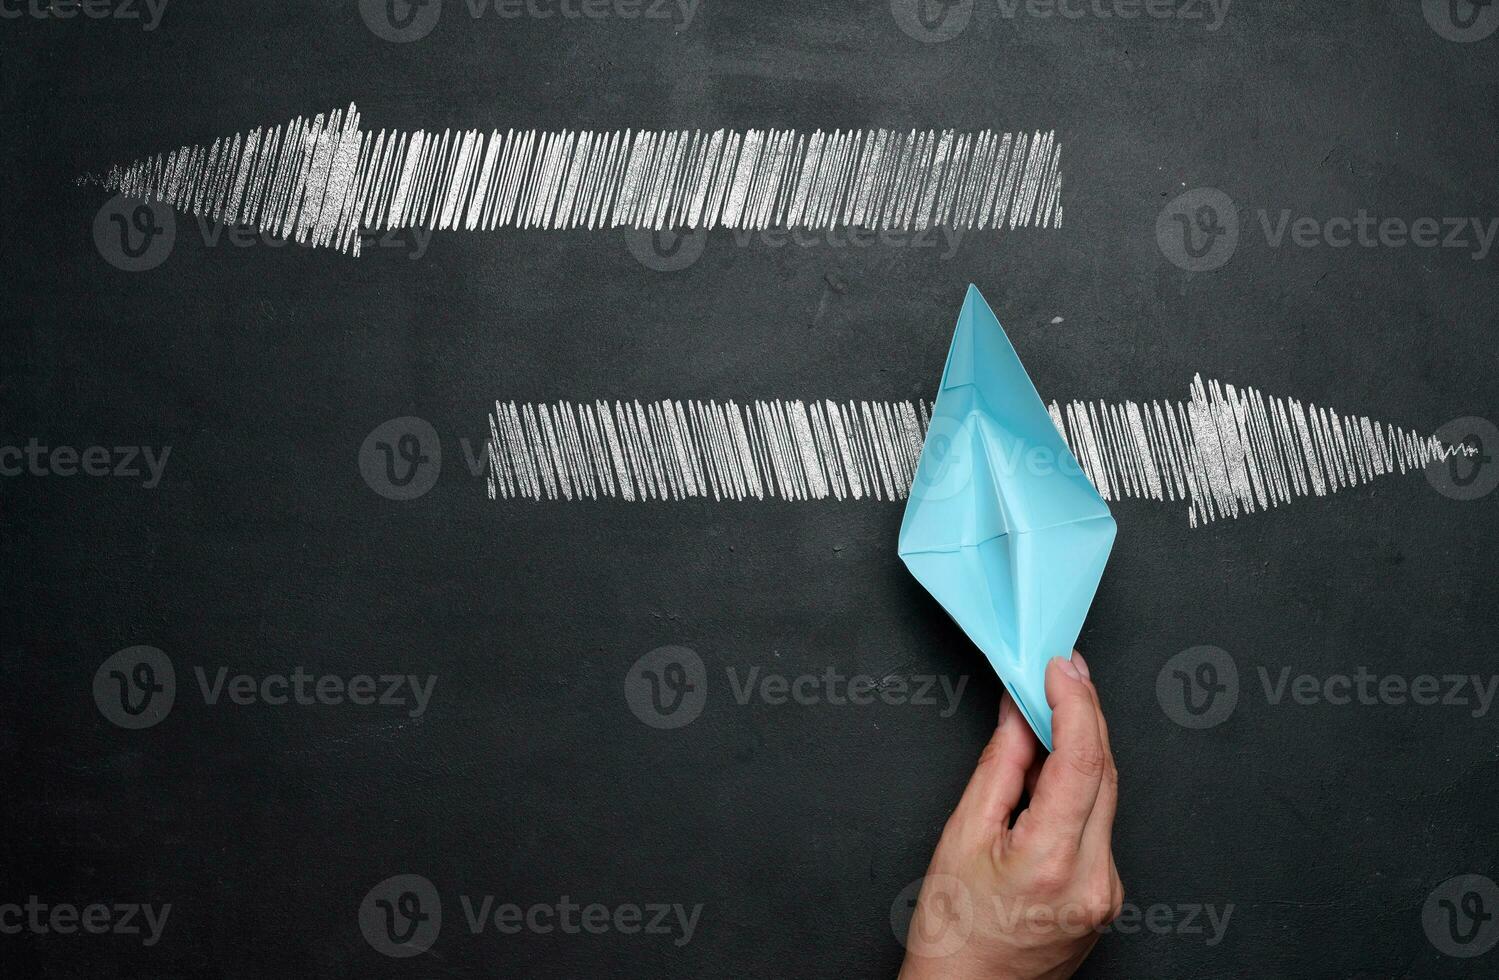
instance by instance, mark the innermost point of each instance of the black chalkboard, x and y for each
(245, 395)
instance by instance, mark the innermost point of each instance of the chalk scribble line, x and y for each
(1227, 452)
(674, 450)
(322, 180)
(1230, 452)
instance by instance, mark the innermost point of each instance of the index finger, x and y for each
(1068, 786)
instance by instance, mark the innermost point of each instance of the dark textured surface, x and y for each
(528, 778)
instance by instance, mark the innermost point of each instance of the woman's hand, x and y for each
(1023, 895)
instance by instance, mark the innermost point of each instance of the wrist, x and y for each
(954, 967)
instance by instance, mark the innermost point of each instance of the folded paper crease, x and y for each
(1002, 525)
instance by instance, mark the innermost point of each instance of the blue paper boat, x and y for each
(1002, 525)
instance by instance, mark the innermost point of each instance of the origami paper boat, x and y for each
(1002, 525)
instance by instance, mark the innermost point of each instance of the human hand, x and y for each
(1023, 896)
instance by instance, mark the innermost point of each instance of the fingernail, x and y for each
(1004, 706)
(1082, 665)
(1068, 667)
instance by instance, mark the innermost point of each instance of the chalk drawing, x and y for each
(1225, 451)
(320, 180)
